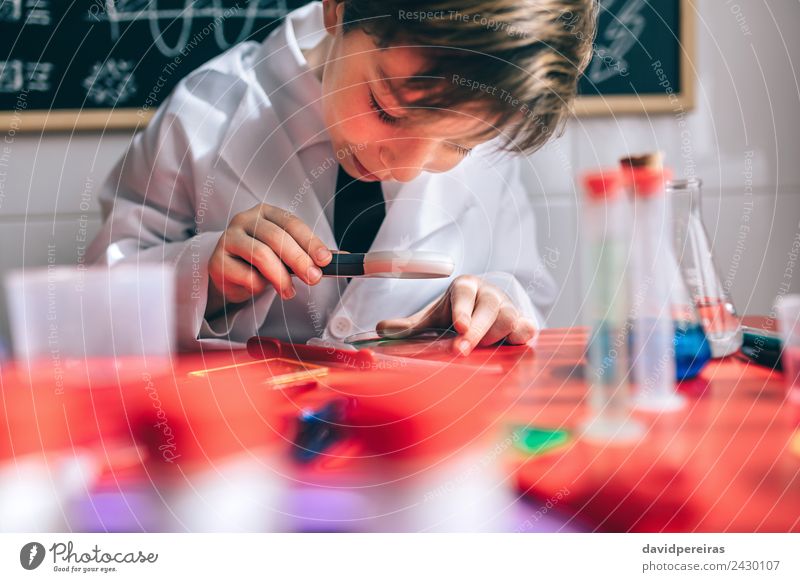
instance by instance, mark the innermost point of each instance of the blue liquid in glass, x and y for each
(692, 350)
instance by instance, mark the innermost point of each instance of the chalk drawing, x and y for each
(118, 12)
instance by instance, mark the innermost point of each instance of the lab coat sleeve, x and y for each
(148, 204)
(517, 268)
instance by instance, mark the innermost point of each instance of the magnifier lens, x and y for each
(425, 343)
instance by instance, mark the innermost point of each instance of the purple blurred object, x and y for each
(127, 509)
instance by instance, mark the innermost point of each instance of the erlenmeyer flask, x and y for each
(693, 250)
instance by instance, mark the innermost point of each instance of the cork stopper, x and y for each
(652, 160)
(645, 174)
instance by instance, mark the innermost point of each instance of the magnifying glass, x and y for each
(390, 265)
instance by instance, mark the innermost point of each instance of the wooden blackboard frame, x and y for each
(603, 105)
(71, 120)
(74, 120)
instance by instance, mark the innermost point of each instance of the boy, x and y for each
(356, 125)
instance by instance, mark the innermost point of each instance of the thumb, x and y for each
(400, 327)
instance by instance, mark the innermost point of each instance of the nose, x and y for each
(406, 158)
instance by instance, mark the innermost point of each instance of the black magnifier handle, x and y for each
(342, 265)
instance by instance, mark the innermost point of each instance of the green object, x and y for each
(537, 441)
(762, 347)
(429, 342)
(761, 338)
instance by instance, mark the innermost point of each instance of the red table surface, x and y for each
(729, 461)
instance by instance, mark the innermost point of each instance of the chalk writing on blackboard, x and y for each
(618, 38)
(32, 11)
(117, 12)
(17, 76)
(10, 10)
(111, 82)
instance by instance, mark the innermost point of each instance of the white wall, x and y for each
(747, 101)
(747, 112)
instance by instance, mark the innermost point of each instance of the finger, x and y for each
(236, 279)
(289, 251)
(301, 233)
(503, 326)
(234, 293)
(524, 331)
(487, 307)
(264, 260)
(462, 300)
(397, 328)
(427, 317)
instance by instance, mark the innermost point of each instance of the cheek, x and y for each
(343, 111)
(350, 119)
(357, 124)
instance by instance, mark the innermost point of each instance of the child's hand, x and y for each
(254, 252)
(481, 314)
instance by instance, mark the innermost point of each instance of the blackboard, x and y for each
(643, 58)
(91, 64)
(100, 64)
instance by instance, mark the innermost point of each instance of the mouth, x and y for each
(365, 174)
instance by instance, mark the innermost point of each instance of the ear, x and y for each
(332, 14)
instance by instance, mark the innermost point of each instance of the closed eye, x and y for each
(384, 117)
(461, 150)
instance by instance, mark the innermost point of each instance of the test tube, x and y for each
(606, 230)
(788, 310)
(654, 279)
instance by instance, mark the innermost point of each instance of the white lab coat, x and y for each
(247, 128)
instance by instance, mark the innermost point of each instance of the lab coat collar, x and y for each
(279, 116)
(264, 159)
(295, 91)
(254, 143)
(286, 114)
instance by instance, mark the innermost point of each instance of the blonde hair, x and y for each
(520, 60)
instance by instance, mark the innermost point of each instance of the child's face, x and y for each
(382, 140)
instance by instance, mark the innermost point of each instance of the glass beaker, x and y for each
(693, 251)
